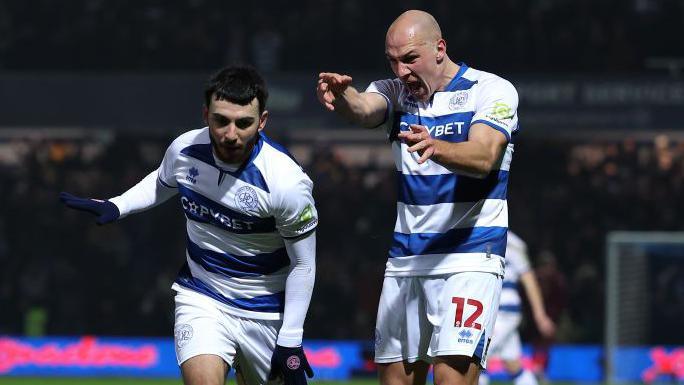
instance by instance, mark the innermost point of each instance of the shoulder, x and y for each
(190, 138)
(489, 82)
(280, 169)
(386, 87)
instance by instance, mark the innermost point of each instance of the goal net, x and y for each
(644, 305)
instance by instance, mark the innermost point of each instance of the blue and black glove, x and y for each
(290, 364)
(106, 211)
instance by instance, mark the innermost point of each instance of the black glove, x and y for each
(290, 365)
(106, 211)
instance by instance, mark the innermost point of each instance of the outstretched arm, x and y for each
(545, 325)
(336, 93)
(147, 193)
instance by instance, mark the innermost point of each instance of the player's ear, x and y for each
(205, 114)
(262, 120)
(441, 50)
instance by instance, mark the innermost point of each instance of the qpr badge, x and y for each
(246, 198)
(459, 100)
(293, 362)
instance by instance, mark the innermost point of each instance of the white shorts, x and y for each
(424, 317)
(245, 344)
(506, 339)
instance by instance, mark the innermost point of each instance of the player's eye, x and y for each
(409, 59)
(220, 120)
(244, 123)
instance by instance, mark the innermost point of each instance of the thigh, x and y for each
(256, 342)
(204, 369)
(463, 311)
(201, 329)
(403, 373)
(456, 370)
(402, 331)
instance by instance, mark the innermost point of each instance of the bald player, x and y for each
(451, 130)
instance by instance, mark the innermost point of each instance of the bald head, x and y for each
(415, 26)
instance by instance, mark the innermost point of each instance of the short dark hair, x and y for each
(237, 84)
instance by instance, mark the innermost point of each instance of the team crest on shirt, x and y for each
(246, 198)
(183, 334)
(192, 175)
(459, 100)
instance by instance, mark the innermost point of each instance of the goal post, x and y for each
(636, 263)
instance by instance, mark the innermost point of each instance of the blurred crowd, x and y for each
(62, 275)
(511, 35)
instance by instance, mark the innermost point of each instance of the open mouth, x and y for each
(414, 86)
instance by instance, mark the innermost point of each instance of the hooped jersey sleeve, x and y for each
(497, 106)
(168, 163)
(294, 207)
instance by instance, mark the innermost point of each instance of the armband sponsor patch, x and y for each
(306, 219)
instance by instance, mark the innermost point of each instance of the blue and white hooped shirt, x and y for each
(449, 222)
(236, 221)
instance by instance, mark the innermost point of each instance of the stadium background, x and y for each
(92, 92)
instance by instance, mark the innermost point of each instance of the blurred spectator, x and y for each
(116, 279)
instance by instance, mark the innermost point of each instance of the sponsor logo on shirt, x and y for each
(440, 129)
(195, 209)
(500, 113)
(306, 219)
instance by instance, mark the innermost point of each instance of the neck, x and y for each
(450, 70)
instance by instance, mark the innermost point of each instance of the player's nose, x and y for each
(403, 71)
(230, 134)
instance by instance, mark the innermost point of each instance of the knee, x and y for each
(204, 370)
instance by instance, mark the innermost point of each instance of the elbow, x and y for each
(484, 168)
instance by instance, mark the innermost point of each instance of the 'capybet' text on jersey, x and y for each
(236, 221)
(517, 264)
(449, 222)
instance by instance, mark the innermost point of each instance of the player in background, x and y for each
(245, 288)
(506, 340)
(450, 127)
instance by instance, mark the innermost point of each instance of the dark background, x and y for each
(92, 92)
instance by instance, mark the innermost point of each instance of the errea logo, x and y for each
(192, 175)
(466, 336)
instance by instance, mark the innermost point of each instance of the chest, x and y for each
(447, 116)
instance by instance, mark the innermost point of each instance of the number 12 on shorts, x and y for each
(470, 321)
